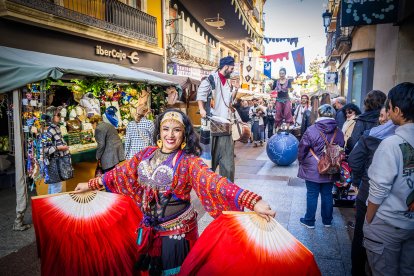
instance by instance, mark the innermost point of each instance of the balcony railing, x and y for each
(182, 46)
(249, 3)
(110, 15)
(339, 40)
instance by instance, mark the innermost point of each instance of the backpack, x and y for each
(332, 156)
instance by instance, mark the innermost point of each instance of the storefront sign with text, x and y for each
(117, 54)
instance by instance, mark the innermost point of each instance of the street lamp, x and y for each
(327, 16)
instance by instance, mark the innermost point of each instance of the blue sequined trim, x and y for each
(172, 271)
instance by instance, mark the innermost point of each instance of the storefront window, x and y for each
(356, 83)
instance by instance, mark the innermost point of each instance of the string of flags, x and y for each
(290, 40)
(298, 56)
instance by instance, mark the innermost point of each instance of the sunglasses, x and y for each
(349, 111)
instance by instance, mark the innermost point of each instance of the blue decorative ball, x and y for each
(282, 148)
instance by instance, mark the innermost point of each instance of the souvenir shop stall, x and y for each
(82, 88)
(184, 98)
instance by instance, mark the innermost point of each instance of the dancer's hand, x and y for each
(262, 208)
(82, 187)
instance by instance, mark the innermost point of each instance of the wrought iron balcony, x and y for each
(339, 42)
(184, 47)
(110, 15)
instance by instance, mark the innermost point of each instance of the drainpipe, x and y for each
(165, 10)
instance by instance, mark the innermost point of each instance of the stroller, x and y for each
(343, 196)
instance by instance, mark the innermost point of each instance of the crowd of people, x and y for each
(378, 145)
(379, 148)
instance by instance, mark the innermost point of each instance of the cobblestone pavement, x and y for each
(278, 186)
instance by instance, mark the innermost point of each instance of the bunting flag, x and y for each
(276, 57)
(291, 40)
(299, 60)
(267, 69)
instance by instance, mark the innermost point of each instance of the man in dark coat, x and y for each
(359, 160)
(372, 104)
(340, 117)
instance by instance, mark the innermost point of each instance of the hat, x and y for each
(226, 61)
(111, 110)
(326, 110)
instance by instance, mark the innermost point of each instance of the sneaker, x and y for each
(261, 143)
(328, 225)
(255, 145)
(303, 222)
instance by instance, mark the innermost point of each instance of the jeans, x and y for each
(358, 253)
(222, 151)
(54, 188)
(256, 131)
(270, 126)
(312, 194)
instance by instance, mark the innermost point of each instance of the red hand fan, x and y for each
(86, 234)
(240, 243)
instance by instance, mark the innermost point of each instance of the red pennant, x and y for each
(276, 57)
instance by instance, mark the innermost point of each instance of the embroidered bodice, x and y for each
(156, 175)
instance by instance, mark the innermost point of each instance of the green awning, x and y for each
(20, 67)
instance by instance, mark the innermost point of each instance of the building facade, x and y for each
(369, 53)
(127, 33)
(198, 35)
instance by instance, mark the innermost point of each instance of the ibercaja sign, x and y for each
(117, 54)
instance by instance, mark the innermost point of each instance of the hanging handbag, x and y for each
(98, 171)
(65, 167)
(52, 171)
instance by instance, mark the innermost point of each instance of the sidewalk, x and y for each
(278, 186)
(286, 193)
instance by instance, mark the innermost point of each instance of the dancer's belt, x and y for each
(185, 227)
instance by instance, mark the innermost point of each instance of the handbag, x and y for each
(59, 169)
(236, 130)
(220, 128)
(98, 170)
(65, 167)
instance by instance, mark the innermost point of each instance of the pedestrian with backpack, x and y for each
(320, 155)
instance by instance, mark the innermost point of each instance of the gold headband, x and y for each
(173, 115)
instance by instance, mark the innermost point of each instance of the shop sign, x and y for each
(117, 54)
(368, 12)
(331, 77)
(182, 70)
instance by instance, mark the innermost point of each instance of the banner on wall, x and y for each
(248, 69)
(331, 77)
(267, 69)
(299, 60)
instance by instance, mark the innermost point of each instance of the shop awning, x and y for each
(183, 81)
(19, 67)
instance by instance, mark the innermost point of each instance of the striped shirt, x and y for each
(138, 136)
(53, 140)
